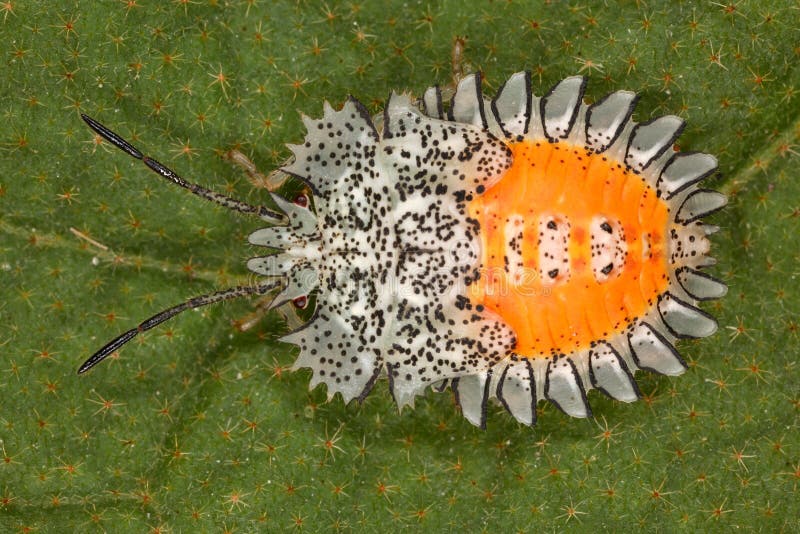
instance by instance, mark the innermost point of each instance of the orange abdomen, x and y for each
(573, 247)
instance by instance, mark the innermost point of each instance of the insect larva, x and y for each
(519, 249)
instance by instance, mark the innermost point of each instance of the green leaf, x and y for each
(197, 426)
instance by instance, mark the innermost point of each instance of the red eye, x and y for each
(301, 200)
(300, 302)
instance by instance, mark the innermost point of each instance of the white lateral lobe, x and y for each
(609, 373)
(683, 170)
(563, 388)
(699, 285)
(653, 352)
(516, 390)
(472, 394)
(334, 146)
(467, 103)
(402, 392)
(698, 204)
(275, 264)
(301, 218)
(559, 107)
(322, 342)
(512, 105)
(280, 237)
(606, 119)
(683, 319)
(432, 102)
(650, 139)
(301, 229)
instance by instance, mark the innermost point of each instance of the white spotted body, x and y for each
(392, 248)
(516, 249)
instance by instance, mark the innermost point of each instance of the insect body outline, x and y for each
(517, 249)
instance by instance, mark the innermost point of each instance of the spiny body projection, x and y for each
(518, 249)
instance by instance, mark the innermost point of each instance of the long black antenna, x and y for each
(165, 172)
(266, 214)
(169, 313)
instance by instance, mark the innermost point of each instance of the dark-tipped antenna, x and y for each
(169, 313)
(115, 139)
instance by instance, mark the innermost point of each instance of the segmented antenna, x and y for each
(266, 214)
(115, 139)
(169, 313)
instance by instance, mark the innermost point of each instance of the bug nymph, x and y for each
(519, 249)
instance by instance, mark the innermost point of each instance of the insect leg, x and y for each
(169, 313)
(457, 59)
(115, 139)
(271, 181)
